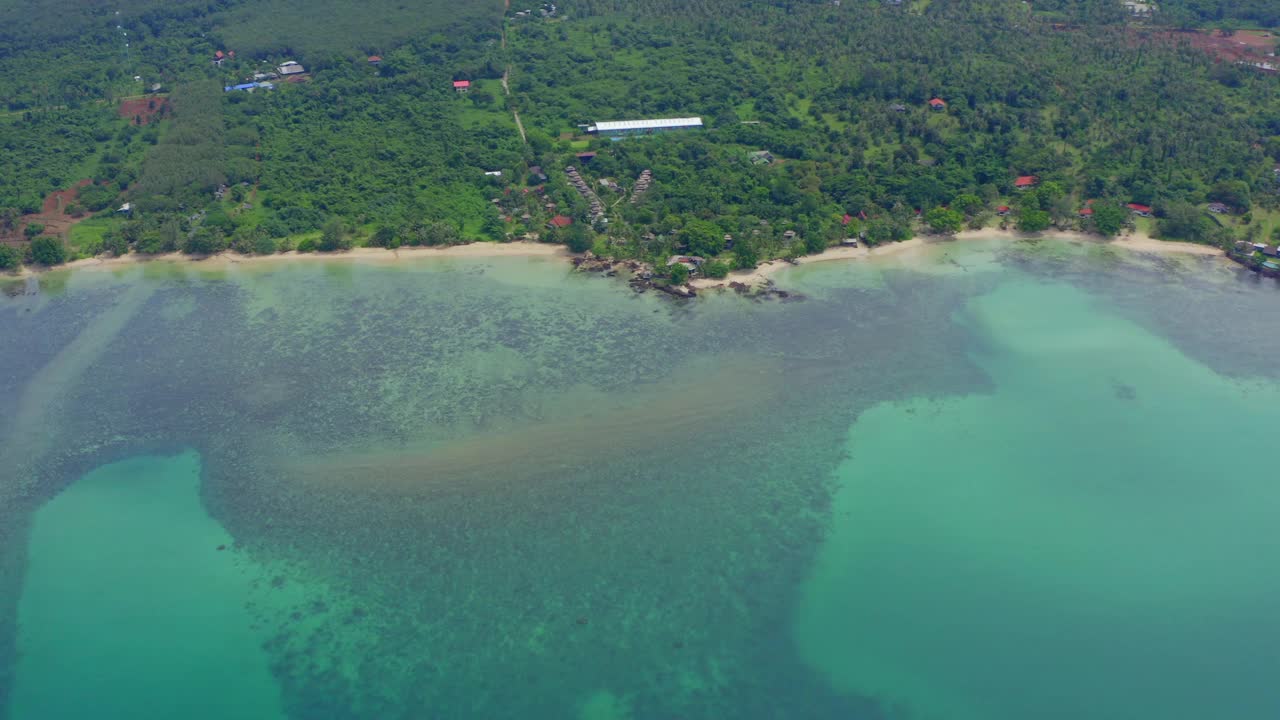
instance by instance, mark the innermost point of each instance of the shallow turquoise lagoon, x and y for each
(132, 606)
(1095, 538)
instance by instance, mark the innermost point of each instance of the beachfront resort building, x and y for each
(624, 128)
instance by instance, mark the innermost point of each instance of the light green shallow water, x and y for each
(1095, 539)
(131, 611)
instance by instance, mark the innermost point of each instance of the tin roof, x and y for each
(661, 124)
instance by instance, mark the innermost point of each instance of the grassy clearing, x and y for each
(84, 239)
(472, 115)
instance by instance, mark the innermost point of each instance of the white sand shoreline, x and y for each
(231, 258)
(1139, 242)
(1136, 242)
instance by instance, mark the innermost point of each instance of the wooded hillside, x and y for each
(1102, 109)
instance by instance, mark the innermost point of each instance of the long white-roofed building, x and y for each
(621, 128)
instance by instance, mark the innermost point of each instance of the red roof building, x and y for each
(1026, 181)
(1086, 212)
(846, 219)
(375, 59)
(461, 84)
(219, 55)
(1139, 209)
(1002, 210)
(561, 221)
(938, 104)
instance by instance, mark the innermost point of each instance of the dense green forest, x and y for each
(1102, 109)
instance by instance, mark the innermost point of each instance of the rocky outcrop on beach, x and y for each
(641, 278)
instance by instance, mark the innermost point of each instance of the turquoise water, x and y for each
(131, 608)
(1095, 538)
(970, 481)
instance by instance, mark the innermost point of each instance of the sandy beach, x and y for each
(1134, 242)
(364, 254)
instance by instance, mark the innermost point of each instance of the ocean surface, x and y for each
(969, 481)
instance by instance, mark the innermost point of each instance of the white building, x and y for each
(620, 128)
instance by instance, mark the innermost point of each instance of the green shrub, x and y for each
(814, 243)
(264, 244)
(205, 242)
(10, 258)
(47, 250)
(679, 274)
(115, 243)
(306, 245)
(383, 237)
(334, 236)
(1031, 221)
(716, 269)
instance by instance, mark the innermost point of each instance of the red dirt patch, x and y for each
(51, 215)
(142, 110)
(1243, 46)
(60, 199)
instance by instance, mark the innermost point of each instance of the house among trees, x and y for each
(290, 67)
(1002, 211)
(560, 221)
(1086, 212)
(761, 157)
(691, 262)
(220, 57)
(1138, 9)
(586, 156)
(1138, 209)
(375, 59)
(623, 128)
(1219, 208)
(461, 85)
(938, 104)
(249, 87)
(1025, 181)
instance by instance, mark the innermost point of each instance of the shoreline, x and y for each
(1133, 242)
(760, 276)
(230, 258)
